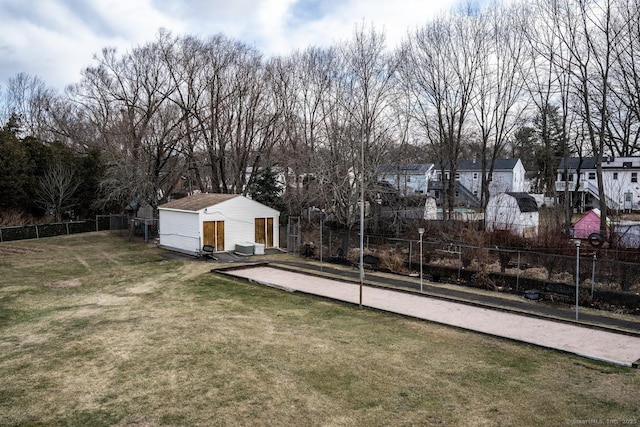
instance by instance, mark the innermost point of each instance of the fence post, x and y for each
(518, 274)
(593, 274)
(67, 224)
(37, 233)
(1, 235)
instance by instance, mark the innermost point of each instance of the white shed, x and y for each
(515, 212)
(221, 221)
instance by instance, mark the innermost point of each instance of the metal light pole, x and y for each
(577, 242)
(420, 232)
(321, 242)
(361, 220)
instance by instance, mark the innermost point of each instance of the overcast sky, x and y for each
(56, 39)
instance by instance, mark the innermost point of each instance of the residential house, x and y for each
(619, 178)
(508, 176)
(407, 180)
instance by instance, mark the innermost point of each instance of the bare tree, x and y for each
(499, 91)
(624, 125)
(127, 97)
(585, 33)
(357, 123)
(300, 85)
(28, 98)
(439, 71)
(57, 189)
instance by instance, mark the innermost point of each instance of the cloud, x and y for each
(56, 39)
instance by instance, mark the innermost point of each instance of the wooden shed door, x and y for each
(214, 234)
(264, 231)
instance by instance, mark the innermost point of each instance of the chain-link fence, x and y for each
(146, 228)
(553, 272)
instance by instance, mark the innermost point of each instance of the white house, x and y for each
(408, 179)
(619, 177)
(221, 221)
(515, 212)
(508, 176)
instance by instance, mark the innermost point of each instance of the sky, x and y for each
(56, 39)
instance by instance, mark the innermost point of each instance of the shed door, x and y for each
(214, 234)
(264, 231)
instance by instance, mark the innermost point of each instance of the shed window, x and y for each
(634, 176)
(592, 176)
(615, 175)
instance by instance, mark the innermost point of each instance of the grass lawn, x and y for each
(95, 330)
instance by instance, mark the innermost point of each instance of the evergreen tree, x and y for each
(14, 168)
(266, 189)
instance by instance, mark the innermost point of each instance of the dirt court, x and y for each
(583, 341)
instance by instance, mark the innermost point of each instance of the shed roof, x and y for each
(198, 201)
(526, 202)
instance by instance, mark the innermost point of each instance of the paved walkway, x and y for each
(588, 342)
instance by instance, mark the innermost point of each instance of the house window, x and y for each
(570, 177)
(634, 176)
(438, 176)
(457, 194)
(475, 176)
(615, 175)
(446, 176)
(475, 193)
(592, 176)
(457, 176)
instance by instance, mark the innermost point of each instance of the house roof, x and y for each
(608, 162)
(410, 169)
(574, 162)
(476, 165)
(198, 201)
(526, 202)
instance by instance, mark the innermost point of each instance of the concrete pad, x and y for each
(583, 341)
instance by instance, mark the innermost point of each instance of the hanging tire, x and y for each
(595, 239)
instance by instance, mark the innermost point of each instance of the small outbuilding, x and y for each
(588, 224)
(221, 222)
(514, 212)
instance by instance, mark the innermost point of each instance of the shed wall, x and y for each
(589, 223)
(239, 216)
(180, 231)
(503, 213)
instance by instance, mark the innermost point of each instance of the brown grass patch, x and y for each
(147, 341)
(68, 283)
